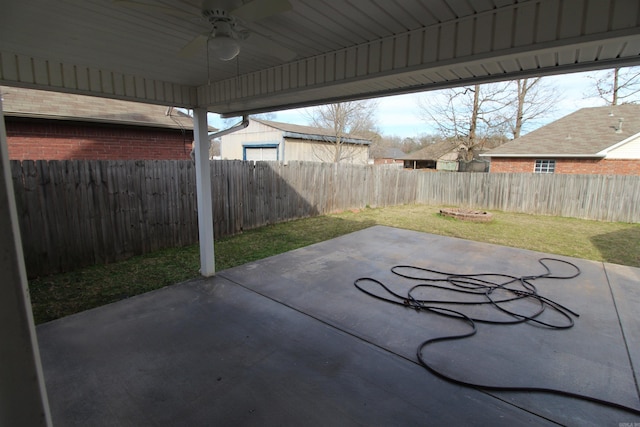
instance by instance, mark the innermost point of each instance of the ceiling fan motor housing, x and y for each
(223, 38)
(217, 15)
(223, 24)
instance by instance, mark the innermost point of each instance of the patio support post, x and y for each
(203, 192)
(23, 397)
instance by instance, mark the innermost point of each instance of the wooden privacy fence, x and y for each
(248, 195)
(77, 213)
(599, 197)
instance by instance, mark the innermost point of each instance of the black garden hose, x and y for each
(484, 286)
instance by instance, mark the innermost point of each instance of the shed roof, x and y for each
(585, 133)
(312, 133)
(433, 151)
(19, 102)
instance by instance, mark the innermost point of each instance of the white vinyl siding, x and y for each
(261, 142)
(318, 151)
(233, 145)
(628, 150)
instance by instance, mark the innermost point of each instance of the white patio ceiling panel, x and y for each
(345, 49)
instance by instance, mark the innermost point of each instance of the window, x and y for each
(545, 166)
(261, 152)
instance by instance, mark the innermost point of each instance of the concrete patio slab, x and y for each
(289, 340)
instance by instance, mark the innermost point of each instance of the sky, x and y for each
(399, 115)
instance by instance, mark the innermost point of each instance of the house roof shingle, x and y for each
(18, 102)
(584, 133)
(432, 152)
(389, 153)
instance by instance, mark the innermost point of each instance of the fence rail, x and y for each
(77, 213)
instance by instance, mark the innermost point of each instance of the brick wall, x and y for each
(30, 139)
(502, 165)
(569, 166)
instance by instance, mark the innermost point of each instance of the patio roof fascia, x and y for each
(408, 62)
(299, 84)
(29, 72)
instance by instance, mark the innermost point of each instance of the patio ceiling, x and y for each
(343, 49)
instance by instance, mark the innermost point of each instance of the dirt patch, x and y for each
(467, 214)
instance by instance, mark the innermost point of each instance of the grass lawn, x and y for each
(63, 294)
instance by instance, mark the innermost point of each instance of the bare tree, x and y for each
(214, 148)
(617, 86)
(381, 145)
(355, 118)
(469, 114)
(485, 114)
(533, 100)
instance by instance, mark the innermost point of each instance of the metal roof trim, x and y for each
(324, 138)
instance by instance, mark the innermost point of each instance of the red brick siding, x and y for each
(57, 140)
(569, 166)
(504, 165)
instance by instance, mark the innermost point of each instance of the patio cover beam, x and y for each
(203, 193)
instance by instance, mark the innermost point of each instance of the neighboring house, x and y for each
(267, 140)
(388, 156)
(45, 125)
(442, 155)
(600, 140)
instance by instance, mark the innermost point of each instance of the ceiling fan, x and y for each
(228, 32)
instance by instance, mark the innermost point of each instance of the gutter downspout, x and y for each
(238, 126)
(203, 186)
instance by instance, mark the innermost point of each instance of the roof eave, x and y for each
(95, 120)
(547, 155)
(324, 138)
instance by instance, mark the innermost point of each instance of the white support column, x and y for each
(203, 193)
(23, 397)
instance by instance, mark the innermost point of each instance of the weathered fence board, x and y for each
(76, 213)
(599, 197)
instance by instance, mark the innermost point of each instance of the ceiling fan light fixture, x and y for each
(224, 47)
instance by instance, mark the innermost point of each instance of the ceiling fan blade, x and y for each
(194, 46)
(259, 9)
(270, 47)
(153, 8)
